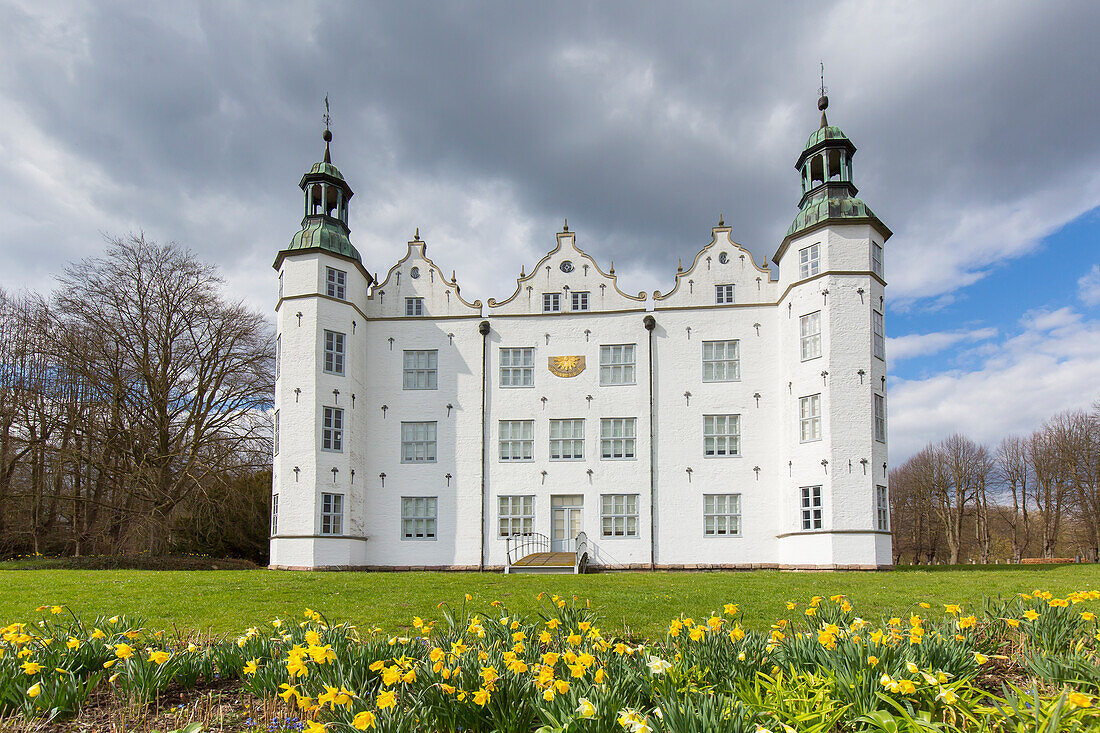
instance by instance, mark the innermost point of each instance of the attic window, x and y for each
(414, 306)
(723, 294)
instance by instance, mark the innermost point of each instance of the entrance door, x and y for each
(565, 521)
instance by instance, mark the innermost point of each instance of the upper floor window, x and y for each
(517, 367)
(414, 306)
(811, 507)
(721, 361)
(332, 429)
(278, 355)
(337, 283)
(809, 261)
(617, 437)
(517, 440)
(721, 435)
(882, 509)
(580, 300)
(876, 258)
(723, 294)
(617, 364)
(280, 290)
(809, 332)
(880, 418)
(515, 515)
(567, 440)
(276, 437)
(332, 513)
(809, 418)
(619, 515)
(878, 323)
(418, 442)
(420, 369)
(551, 302)
(418, 517)
(334, 353)
(721, 515)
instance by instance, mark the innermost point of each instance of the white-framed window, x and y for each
(420, 369)
(332, 514)
(414, 306)
(517, 367)
(876, 258)
(619, 515)
(721, 435)
(882, 509)
(723, 294)
(334, 353)
(809, 418)
(274, 514)
(517, 440)
(880, 418)
(878, 323)
(336, 283)
(278, 355)
(580, 300)
(418, 517)
(722, 361)
(617, 364)
(280, 286)
(617, 437)
(721, 515)
(809, 261)
(567, 440)
(811, 507)
(551, 302)
(515, 515)
(809, 335)
(418, 442)
(332, 429)
(276, 437)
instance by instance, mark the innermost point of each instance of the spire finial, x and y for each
(721, 220)
(416, 237)
(823, 100)
(327, 135)
(565, 228)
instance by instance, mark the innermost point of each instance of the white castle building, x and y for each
(736, 421)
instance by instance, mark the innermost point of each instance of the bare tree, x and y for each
(1014, 475)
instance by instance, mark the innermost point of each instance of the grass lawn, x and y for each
(640, 604)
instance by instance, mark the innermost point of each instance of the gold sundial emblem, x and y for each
(566, 366)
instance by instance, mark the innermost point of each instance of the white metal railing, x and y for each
(522, 545)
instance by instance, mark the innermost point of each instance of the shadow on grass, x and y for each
(983, 568)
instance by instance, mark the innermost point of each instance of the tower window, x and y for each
(876, 258)
(517, 367)
(418, 517)
(421, 369)
(337, 281)
(517, 440)
(882, 509)
(414, 306)
(332, 429)
(274, 514)
(809, 261)
(809, 330)
(567, 440)
(879, 325)
(276, 436)
(616, 365)
(721, 361)
(721, 435)
(280, 286)
(278, 354)
(723, 294)
(334, 353)
(811, 507)
(418, 442)
(721, 515)
(332, 514)
(551, 302)
(880, 418)
(617, 437)
(809, 418)
(580, 300)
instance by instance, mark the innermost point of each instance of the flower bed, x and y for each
(1028, 663)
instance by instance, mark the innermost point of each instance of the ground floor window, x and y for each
(619, 515)
(811, 507)
(721, 515)
(516, 515)
(274, 514)
(332, 513)
(418, 517)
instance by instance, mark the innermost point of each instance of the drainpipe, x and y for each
(483, 329)
(650, 324)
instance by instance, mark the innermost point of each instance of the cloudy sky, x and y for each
(486, 125)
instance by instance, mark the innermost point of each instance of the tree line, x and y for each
(133, 405)
(1031, 496)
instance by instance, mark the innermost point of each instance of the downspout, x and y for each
(483, 329)
(650, 324)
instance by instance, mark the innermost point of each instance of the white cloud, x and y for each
(925, 344)
(1088, 286)
(1051, 364)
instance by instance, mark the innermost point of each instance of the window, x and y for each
(551, 302)
(517, 440)
(811, 507)
(809, 261)
(876, 258)
(567, 440)
(418, 442)
(580, 300)
(879, 326)
(332, 429)
(619, 515)
(276, 441)
(278, 354)
(882, 509)
(334, 353)
(517, 367)
(880, 418)
(337, 281)
(418, 515)
(274, 514)
(809, 330)
(332, 514)
(809, 417)
(516, 515)
(414, 306)
(721, 361)
(723, 294)
(721, 515)
(721, 435)
(617, 437)
(420, 369)
(617, 364)
(280, 286)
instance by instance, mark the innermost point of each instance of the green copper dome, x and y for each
(327, 169)
(324, 233)
(820, 135)
(820, 209)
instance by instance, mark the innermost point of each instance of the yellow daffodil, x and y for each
(385, 699)
(980, 658)
(251, 667)
(31, 668)
(34, 690)
(124, 651)
(585, 708)
(1031, 614)
(363, 720)
(159, 657)
(1078, 700)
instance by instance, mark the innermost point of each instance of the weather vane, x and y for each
(824, 91)
(326, 119)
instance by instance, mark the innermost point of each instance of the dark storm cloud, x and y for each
(489, 123)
